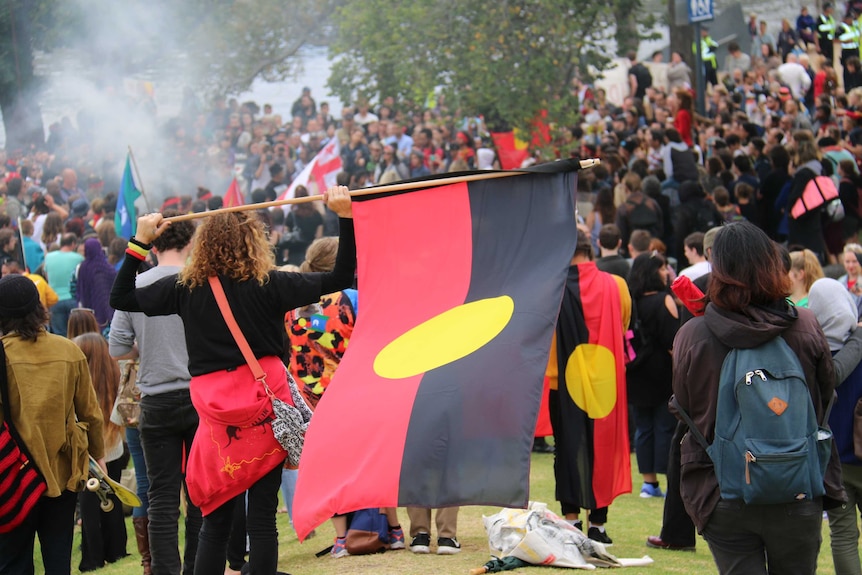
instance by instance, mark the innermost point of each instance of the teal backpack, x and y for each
(768, 447)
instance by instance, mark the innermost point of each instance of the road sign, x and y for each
(700, 11)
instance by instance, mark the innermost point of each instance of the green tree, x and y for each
(508, 60)
(630, 20)
(22, 23)
(234, 42)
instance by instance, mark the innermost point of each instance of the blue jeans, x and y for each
(260, 526)
(167, 427)
(60, 312)
(133, 440)
(288, 487)
(654, 427)
(53, 519)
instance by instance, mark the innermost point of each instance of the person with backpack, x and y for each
(648, 374)
(835, 310)
(806, 230)
(679, 163)
(751, 341)
(638, 212)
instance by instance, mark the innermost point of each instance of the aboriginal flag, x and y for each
(589, 410)
(435, 401)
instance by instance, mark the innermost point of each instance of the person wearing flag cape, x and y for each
(587, 400)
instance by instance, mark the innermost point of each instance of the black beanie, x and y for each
(18, 296)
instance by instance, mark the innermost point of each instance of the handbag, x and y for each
(127, 406)
(22, 482)
(290, 422)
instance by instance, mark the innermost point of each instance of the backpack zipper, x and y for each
(749, 458)
(750, 375)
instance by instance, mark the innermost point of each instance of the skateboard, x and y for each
(103, 486)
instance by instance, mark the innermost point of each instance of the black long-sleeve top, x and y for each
(259, 309)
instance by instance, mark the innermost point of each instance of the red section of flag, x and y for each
(511, 156)
(603, 318)
(346, 467)
(233, 196)
(543, 424)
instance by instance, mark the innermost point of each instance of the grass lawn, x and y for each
(630, 520)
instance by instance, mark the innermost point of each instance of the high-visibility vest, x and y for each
(707, 50)
(849, 37)
(827, 27)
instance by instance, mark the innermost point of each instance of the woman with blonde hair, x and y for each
(103, 534)
(804, 271)
(234, 432)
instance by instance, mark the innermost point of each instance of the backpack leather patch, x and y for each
(777, 405)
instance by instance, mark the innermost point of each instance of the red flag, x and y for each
(511, 151)
(436, 399)
(233, 196)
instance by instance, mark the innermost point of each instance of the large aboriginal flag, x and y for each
(589, 411)
(435, 401)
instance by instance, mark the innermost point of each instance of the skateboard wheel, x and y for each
(107, 506)
(92, 484)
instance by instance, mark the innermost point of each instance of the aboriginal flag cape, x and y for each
(592, 459)
(435, 401)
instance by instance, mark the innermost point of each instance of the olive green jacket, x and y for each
(54, 408)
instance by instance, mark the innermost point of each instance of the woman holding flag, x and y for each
(230, 457)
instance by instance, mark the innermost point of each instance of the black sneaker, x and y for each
(600, 536)
(447, 546)
(421, 543)
(579, 525)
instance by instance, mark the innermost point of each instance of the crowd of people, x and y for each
(709, 196)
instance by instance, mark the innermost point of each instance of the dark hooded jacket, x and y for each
(695, 213)
(699, 351)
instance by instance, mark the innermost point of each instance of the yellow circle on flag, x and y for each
(445, 338)
(591, 379)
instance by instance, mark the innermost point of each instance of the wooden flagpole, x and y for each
(366, 191)
(138, 176)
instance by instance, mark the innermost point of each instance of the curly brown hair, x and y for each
(231, 244)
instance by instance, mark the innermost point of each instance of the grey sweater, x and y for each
(161, 342)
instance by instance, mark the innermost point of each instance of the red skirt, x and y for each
(234, 445)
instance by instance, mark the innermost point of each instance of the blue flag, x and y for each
(124, 218)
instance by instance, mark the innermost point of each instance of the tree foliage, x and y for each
(508, 60)
(234, 42)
